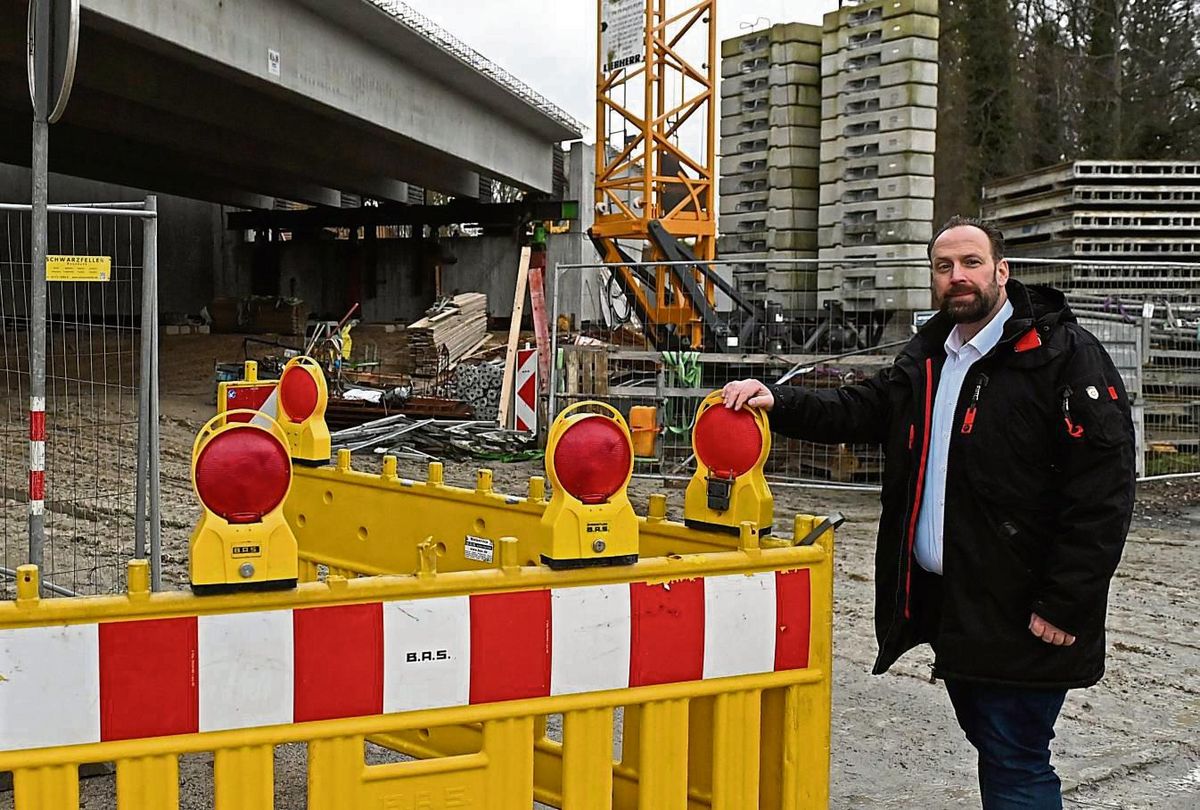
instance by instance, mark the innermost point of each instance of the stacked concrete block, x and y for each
(878, 122)
(770, 155)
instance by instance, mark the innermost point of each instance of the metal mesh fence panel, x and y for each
(1146, 315)
(92, 375)
(605, 353)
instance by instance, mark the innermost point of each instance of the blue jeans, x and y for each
(1011, 728)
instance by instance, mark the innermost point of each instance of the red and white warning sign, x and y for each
(527, 388)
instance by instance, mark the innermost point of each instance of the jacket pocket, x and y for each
(1094, 411)
(1023, 547)
(1015, 546)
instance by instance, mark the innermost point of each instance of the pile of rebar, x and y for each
(479, 385)
(436, 439)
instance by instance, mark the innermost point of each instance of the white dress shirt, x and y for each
(959, 359)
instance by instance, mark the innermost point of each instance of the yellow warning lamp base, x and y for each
(303, 396)
(242, 550)
(733, 489)
(589, 520)
(229, 558)
(582, 535)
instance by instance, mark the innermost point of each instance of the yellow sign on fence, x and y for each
(78, 268)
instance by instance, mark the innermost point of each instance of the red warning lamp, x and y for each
(593, 458)
(303, 395)
(728, 442)
(728, 487)
(242, 473)
(298, 394)
(589, 461)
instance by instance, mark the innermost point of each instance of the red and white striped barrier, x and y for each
(88, 683)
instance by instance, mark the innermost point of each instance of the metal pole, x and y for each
(139, 205)
(1146, 336)
(660, 405)
(37, 289)
(550, 411)
(75, 209)
(150, 277)
(143, 434)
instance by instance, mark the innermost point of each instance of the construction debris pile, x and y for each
(479, 385)
(453, 328)
(437, 439)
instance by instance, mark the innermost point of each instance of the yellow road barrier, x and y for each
(357, 523)
(719, 663)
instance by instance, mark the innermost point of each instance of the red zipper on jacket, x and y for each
(916, 507)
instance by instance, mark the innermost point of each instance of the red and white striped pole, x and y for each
(37, 457)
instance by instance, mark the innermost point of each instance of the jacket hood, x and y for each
(1034, 305)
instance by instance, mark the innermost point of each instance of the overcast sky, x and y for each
(551, 44)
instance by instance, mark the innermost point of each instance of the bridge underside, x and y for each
(178, 96)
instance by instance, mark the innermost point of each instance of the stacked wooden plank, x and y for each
(457, 325)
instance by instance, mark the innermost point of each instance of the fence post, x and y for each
(143, 427)
(552, 377)
(150, 279)
(37, 339)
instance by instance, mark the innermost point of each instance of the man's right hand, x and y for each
(747, 392)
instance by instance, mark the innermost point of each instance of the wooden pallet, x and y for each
(586, 370)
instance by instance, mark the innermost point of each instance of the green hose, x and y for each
(682, 371)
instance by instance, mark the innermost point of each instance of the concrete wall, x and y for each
(579, 293)
(486, 264)
(386, 276)
(491, 262)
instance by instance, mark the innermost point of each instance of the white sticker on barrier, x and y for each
(426, 653)
(479, 549)
(246, 669)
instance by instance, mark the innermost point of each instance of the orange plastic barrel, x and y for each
(643, 424)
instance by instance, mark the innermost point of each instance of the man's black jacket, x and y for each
(1039, 493)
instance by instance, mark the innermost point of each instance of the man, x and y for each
(1007, 493)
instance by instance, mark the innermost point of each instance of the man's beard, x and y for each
(964, 309)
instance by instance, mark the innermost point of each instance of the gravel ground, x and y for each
(1132, 742)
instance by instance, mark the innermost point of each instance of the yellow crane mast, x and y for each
(655, 163)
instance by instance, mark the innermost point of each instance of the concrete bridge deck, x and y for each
(180, 96)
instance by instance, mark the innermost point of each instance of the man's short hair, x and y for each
(995, 237)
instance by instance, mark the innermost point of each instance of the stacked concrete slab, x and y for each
(1135, 211)
(878, 121)
(1101, 209)
(770, 153)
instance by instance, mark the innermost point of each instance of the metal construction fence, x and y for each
(1147, 314)
(100, 409)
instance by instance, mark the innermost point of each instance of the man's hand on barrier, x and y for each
(747, 392)
(1049, 633)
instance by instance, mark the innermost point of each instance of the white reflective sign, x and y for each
(622, 33)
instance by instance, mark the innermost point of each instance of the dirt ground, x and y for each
(1133, 741)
